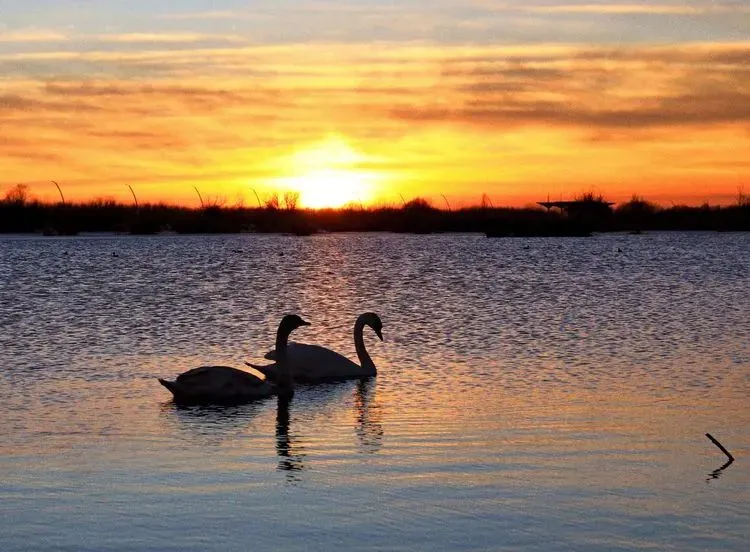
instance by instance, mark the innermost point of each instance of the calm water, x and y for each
(536, 395)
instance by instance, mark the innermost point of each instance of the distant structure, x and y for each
(577, 205)
(586, 214)
(586, 207)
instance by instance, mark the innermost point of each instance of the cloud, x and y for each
(204, 15)
(633, 9)
(447, 22)
(674, 8)
(592, 88)
(609, 86)
(588, 87)
(31, 36)
(156, 38)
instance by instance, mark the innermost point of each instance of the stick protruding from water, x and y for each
(721, 447)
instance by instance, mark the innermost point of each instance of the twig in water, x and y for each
(721, 447)
(718, 471)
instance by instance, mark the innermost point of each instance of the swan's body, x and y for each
(216, 385)
(313, 363)
(226, 385)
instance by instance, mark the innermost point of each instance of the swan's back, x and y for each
(305, 354)
(313, 363)
(216, 384)
(217, 375)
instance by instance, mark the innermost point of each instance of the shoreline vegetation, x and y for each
(581, 217)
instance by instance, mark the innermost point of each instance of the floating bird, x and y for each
(313, 363)
(226, 385)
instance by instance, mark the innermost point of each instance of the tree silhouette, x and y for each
(291, 199)
(18, 194)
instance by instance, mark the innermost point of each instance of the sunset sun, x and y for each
(329, 174)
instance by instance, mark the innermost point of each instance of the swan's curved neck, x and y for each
(285, 380)
(359, 344)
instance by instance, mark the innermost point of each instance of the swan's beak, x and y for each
(379, 333)
(305, 323)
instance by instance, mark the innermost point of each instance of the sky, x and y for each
(376, 102)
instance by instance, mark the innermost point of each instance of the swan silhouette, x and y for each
(313, 363)
(226, 385)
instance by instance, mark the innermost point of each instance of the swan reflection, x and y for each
(368, 427)
(290, 456)
(296, 418)
(212, 425)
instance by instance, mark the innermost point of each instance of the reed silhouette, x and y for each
(21, 214)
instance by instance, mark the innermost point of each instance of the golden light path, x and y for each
(328, 174)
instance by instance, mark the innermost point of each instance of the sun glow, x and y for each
(328, 174)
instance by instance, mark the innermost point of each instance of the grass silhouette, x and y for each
(20, 214)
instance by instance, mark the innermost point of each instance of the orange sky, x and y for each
(166, 102)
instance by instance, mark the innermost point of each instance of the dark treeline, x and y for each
(418, 216)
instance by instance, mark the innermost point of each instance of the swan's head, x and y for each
(285, 379)
(373, 320)
(291, 322)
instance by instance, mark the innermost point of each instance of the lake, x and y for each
(532, 394)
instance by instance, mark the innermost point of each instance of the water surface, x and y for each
(533, 394)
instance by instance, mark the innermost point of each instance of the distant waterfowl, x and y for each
(313, 363)
(226, 385)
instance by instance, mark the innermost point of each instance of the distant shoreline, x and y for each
(416, 217)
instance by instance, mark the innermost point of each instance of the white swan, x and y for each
(313, 363)
(226, 385)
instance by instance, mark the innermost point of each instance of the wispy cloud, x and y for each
(606, 7)
(202, 16)
(155, 38)
(445, 22)
(31, 36)
(647, 8)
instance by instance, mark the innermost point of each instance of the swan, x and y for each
(313, 363)
(226, 385)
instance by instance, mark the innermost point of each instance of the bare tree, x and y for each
(742, 199)
(273, 201)
(215, 201)
(18, 194)
(291, 199)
